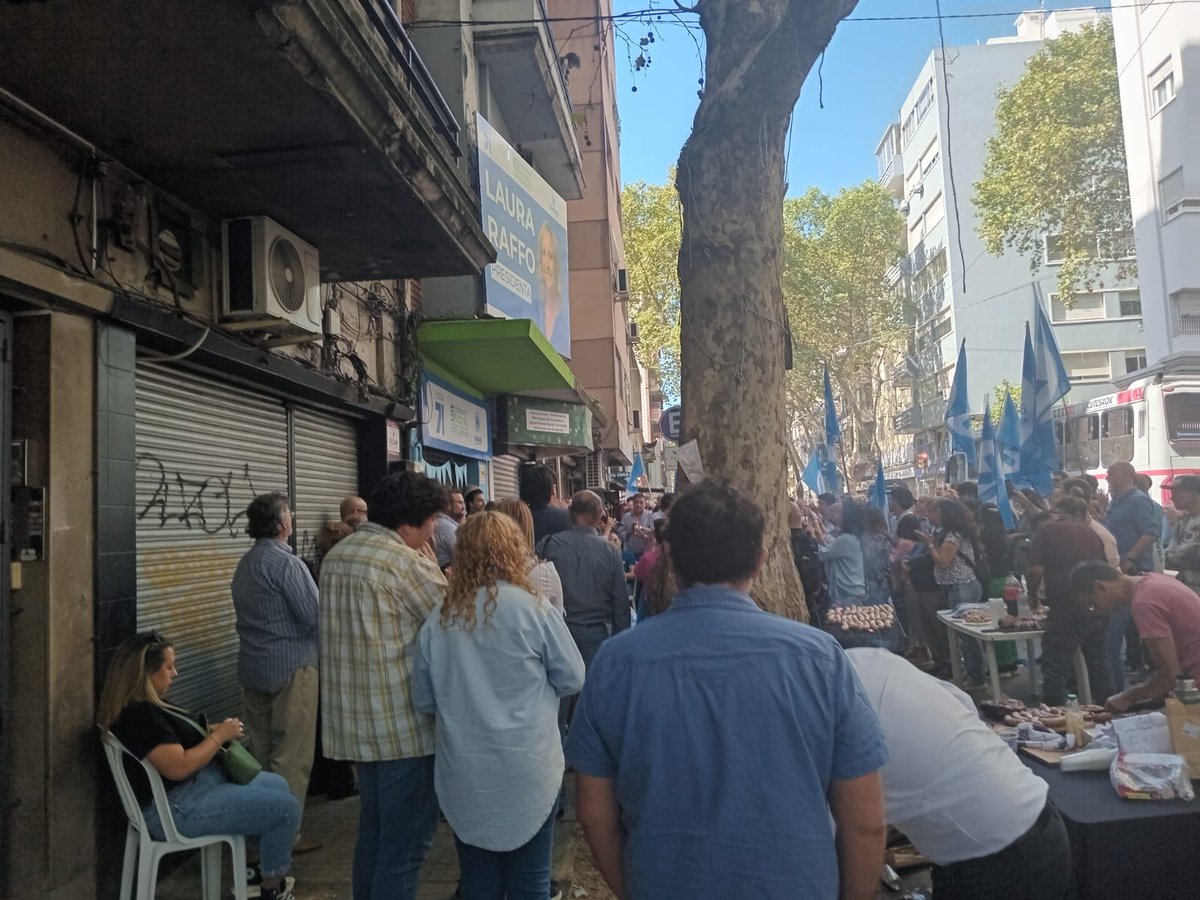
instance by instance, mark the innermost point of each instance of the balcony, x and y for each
(918, 418)
(890, 161)
(513, 40)
(317, 113)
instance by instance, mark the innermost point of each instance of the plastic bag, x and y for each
(1151, 776)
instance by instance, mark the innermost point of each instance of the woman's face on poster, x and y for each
(549, 259)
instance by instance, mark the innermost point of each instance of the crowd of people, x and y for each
(459, 654)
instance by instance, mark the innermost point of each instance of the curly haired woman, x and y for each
(493, 660)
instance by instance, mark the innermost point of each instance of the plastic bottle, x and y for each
(1186, 691)
(1012, 594)
(1074, 722)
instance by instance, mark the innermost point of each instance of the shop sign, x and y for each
(452, 421)
(526, 221)
(394, 433)
(547, 423)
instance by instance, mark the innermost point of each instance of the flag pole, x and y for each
(845, 470)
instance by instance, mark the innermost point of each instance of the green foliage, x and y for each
(651, 220)
(837, 251)
(1005, 389)
(1056, 163)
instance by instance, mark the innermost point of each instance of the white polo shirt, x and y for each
(951, 785)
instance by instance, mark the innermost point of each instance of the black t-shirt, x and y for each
(549, 520)
(1059, 547)
(143, 726)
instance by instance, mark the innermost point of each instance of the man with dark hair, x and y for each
(967, 490)
(595, 599)
(636, 526)
(377, 588)
(1167, 615)
(474, 500)
(664, 506)
(1057, 547)
(900, 504)
(275, 601)
(1131, 520)
(539, 489)
(712, 742)
(1183, 551)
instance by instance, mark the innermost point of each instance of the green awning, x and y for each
(495, 356)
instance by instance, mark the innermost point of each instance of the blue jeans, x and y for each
(521, 874)
(208, 803)
(1118, 621)
(968, 592)
(396, 822)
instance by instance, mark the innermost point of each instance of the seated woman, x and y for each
(492, 661)
(203, 801)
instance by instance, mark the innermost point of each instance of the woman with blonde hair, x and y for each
(542, 574)
(184, 749)
(493, 660)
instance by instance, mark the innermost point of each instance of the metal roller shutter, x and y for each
(325, 451)
(505, 477)
(205, 449)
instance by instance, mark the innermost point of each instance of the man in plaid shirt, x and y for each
(377, 587)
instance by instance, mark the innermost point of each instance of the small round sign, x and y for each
(671, 422)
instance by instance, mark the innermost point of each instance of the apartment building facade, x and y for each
(1158, 61)
(930, 159)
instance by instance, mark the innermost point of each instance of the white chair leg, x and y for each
(147, 873)
(210, 872)
(129, 867)
(238, 845)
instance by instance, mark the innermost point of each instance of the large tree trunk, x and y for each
(731, 184)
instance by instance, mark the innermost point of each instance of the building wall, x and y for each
(599, 323)
(959, 290)
(1157, 41)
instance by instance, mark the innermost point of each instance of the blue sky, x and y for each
(869, 68)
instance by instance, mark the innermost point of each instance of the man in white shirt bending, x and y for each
(958, 792)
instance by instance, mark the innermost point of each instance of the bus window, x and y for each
(1083, 443)
(1183, 420)
(1116, 443)
(1141, 420)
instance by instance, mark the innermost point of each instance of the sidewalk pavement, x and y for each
(324, 874)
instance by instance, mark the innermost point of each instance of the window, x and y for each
(929, 161)
(1085, 308)
(1082, 442)
(1186, 306)
(1183, 417)
(1090, 367)
(1135, 360)
(909, 129)
(925, 100)
(1131, 303)
(935, 212)
(1176, 196)
(1162, 87)
(1055, 252)
(1116, 443)
(1109, 245)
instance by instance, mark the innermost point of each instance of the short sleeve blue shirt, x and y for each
(722, 727)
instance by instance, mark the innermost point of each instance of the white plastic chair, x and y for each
(143, 852)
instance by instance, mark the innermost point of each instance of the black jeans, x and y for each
(1036, 866)
(1065, 633)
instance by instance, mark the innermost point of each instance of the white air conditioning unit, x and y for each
(593, 471)
(270, 274)
(633, 333)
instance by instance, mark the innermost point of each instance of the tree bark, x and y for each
(731, 183)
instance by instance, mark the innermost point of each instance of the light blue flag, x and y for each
(833, 428)
(991, 481)
(1053, 382)
(958, 408)
(812, 473)
(878, 495)
(637, 475)
(1034, 469)
(831, 480)
(1008, 437)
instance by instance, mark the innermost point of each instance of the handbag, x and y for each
(239, 763)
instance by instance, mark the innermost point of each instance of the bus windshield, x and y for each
(1183, 421)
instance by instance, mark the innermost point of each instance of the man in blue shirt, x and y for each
(275, 601)
(717, 746)
(1132, 522)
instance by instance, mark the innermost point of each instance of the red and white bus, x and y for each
(1154, 423)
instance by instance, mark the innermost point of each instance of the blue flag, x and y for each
(958, 408)
(833, 429)
(812, 473)
(1033, 470)
(991, 481)
(1008, 437)
(637, 476)
(831, 480)
(878, 496)
(1053, 382)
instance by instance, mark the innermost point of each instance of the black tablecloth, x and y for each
(1125, 849)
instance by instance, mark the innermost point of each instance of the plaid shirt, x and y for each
(376, 593)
